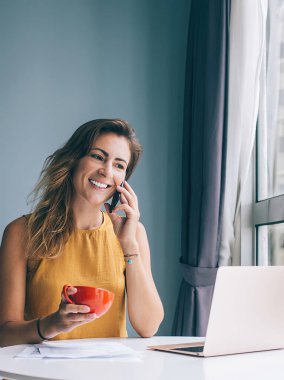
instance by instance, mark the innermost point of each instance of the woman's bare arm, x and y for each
(145, 308)
(13, 263)
(13, 267)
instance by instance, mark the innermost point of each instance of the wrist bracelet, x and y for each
(131, 255)
(38, 330)
(128, 259)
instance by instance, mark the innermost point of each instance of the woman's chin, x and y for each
(91, 200)
(97, 202)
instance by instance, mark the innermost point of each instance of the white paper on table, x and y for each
(65, 349)
(29, 352)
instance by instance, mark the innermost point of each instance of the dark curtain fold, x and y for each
(204, 161)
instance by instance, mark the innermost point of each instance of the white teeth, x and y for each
(98, 184)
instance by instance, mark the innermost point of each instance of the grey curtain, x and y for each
(204, 161)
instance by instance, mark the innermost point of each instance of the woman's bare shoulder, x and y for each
(18, 224)
(16, 230)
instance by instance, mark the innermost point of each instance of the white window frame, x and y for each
(256, 213)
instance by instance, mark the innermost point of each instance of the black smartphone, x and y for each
(115, 199)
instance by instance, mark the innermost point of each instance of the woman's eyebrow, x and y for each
(106, 154)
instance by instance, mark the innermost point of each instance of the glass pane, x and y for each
(271, 112)
(271, 244)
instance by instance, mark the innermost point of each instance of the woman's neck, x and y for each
(87, 217)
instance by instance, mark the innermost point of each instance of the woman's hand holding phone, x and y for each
(115, 199)
(125, 227)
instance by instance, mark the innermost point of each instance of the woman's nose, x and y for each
(106, 171)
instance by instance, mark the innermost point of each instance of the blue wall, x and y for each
(64, 62)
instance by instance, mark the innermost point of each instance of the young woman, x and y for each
(67, 239)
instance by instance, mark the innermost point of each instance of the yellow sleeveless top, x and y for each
(91, 258)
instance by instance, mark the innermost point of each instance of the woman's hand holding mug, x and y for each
(67, 317)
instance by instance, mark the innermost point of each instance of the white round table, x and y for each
(152, 365)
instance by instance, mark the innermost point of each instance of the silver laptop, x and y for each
(247, 313)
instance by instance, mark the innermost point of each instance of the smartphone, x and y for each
(115, 199)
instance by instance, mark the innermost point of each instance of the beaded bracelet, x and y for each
(38, 330)
(128, 259)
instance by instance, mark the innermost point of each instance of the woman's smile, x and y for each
(98, 185)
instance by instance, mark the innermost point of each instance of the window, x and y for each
(269, 206)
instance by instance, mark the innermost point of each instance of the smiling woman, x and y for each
(98, 174)
(68, 239)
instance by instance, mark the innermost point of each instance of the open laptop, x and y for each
(247, 313)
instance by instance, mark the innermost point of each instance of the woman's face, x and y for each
(96, 175)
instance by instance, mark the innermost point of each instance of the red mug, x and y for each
(99, 300)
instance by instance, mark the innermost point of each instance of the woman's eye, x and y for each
(97, 157)
(119, 166)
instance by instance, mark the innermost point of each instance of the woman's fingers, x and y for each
(128, 197)
(70, 290)
(129, 188)
(70, 321)
(80, 317)
(123, 199)
(128, 210)
(107, 207)
(69, 315)
(112, 215)
(67, 308)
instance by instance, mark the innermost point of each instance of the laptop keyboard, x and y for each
(191, 349)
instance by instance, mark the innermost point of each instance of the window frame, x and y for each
(266, 212)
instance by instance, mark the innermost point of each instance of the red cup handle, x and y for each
(65, 287)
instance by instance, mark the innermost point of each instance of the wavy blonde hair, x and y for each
(51, 221)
